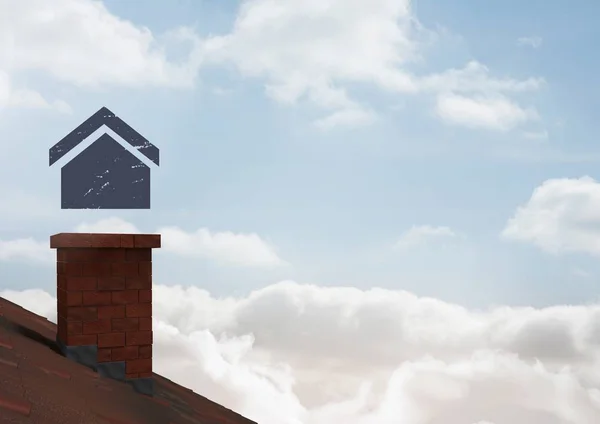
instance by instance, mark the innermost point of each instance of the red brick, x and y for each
(61, 296)
(111, 283)
(69, 269)
(124, 269)
(145, 324)
(127, 240)
(125, 324)
(141, 282)
(82, 254)
(61, 282)
(147, 240)
(81, 313)
(61, 333)
(96, 298)
(104, 355)
(81, 340)
(148, 375)
(81, 283)
(137, 338)
(72, 254)
(145, 296)
(62, 310)
(111, 340)
(71, 313)
(64, 240)
(100, 326)
(61, 255)
(113, 311)
(145, 351)
(74, 298)
(145, 268)
(138, 310)
(96, 269)
(107, 255)
(124, 297)
(94, 255)
(90, 313)
(124, 353)
(138, 255)
(131, 375)
(138, 365)
(107, 240)
(61, 327)
(74, 328)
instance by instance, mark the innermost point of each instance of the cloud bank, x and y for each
(301, 354)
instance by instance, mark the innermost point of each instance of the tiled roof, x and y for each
(39, 385)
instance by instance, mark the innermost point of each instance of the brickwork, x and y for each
(104, 293)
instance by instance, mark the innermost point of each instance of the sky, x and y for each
(372, 211)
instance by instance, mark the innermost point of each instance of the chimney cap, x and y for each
(105, 240)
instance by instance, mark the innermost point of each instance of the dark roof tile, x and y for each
(39, 385)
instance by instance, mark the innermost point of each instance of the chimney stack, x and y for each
(104, 293)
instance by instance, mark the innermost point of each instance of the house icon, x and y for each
(105, 175)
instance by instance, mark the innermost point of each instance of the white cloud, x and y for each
(476, 78)
(240, 249)
(534, 41)
(301, 354)
(496, 113)
(346, 118)
(26, 98)
(37, 301)
(79, 42)
(314, 49)
(421, 234)
(26, 249)
(229, 248)
(561, 216)
(108, 225)
(303, 50)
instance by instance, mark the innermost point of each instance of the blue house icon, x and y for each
(105, 175)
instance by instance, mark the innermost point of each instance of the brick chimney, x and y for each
(104, 292)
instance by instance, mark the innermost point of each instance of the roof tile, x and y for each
(10, 402)
(38, 385)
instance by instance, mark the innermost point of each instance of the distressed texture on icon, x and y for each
(105, 175)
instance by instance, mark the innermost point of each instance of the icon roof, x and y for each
(104, 117)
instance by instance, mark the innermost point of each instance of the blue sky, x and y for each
(407, 190)
(333, 201)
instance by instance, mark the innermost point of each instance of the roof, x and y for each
(104, 117)
(39, 385)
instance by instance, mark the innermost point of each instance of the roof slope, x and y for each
(39, 385)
